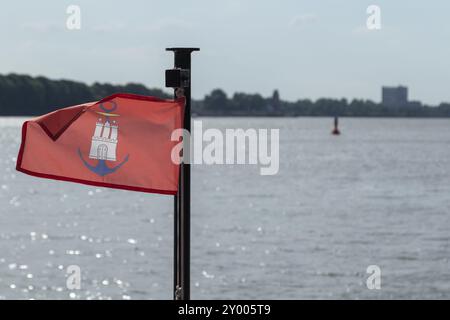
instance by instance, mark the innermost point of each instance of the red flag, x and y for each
(122, 141)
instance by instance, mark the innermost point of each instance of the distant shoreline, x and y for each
(24, 95)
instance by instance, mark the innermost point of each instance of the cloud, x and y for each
(112, 27)
(301, 20)
(40, 26)
(168, 23)
(158, 25)
(362, 30)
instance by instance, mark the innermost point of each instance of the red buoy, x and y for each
(336, 129)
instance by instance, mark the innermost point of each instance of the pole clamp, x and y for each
(178, 291)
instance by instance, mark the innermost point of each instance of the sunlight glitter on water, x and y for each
(376, 195)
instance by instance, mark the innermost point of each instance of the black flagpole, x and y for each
(182, 207)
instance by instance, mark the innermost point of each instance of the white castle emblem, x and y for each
(104, 141)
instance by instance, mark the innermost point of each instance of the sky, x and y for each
(305, 49)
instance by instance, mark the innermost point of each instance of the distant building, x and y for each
(395, 96)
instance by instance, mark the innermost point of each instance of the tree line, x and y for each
(26, 95)
(217, 103)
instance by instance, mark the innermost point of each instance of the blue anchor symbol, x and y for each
(102, 168)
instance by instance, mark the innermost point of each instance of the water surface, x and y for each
(378, 194)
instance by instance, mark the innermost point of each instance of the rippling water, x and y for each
(379, 194)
